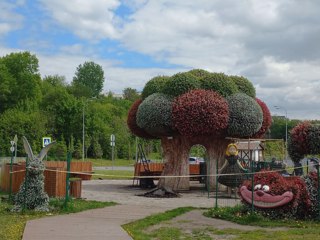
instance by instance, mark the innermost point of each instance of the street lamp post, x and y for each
(278, 107)
(83, 132)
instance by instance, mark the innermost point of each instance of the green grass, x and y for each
(108, 162)
(12, 224)
(140, 230)
(112, 174)
(136, 229)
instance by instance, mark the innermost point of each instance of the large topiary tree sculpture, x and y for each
(196, 107)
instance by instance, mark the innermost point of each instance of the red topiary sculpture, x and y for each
(267, 119)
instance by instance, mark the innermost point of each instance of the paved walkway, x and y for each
(97, 224)
(106, 223)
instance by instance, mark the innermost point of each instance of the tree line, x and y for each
(35, 107)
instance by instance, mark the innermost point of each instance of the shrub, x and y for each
(155, 85)
(154, 115)
(220, 83)
(244, 85)
(132, 123)
(298, 141)
(245, 116)
(200, 112)
(313, 139)
(181, 83)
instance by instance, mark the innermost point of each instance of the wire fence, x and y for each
(64, 180)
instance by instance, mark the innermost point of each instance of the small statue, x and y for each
(232, 172)
(31, 194)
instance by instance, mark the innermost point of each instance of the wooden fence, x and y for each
(55, 176)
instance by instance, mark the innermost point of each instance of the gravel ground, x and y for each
(123, 192)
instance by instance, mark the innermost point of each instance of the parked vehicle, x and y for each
(195, 160)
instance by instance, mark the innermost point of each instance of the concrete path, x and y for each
(97, 224)
(106, 223)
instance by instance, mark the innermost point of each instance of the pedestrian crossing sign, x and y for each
(46, 141)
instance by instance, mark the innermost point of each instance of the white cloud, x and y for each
(274, 43)
(9, 20)
(93, 20)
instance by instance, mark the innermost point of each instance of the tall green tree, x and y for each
(130, 94)
(22, 70)
(89, 76)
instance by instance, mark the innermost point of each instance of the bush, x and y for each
(220, 83)
(155, 85)
(313, 139)
(154, 115)
(244, 85)
(181, 83)
(298, 143)
(245, 116)
(200, 112)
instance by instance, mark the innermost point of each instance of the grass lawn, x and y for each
(112, 174)
(147, 228)
(108, 162)
(12, 224)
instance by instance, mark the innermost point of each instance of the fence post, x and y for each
(252, 184)
(318, 197)
(25, 185)
(66, 200)
(10, 186)
(216, 206)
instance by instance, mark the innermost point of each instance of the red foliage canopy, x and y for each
(132, 124)
(267, 119)
(200, 112)
(299, 135)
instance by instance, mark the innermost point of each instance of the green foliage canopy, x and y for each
(91, 76)
(181, 83)
(155, 85)
(220, 83)
(244, 85)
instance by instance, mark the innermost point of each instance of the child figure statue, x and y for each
(31, 194)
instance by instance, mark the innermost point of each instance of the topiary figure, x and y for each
(31, 194)
(245, 116)
(200, 112)
(190, 109)
(244, 85)
(267, 119)
(154, 115)
(181, 83)
(276, 196)
(132, 122)
(220, 83)
(155, 85)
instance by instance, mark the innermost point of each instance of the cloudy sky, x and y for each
(274, 43)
